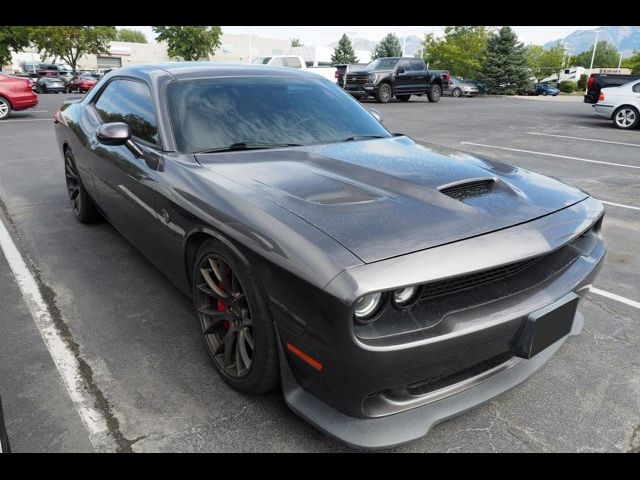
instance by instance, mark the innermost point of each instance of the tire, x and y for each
(626, 117)
(403, 98)
(435, 93)
(544, 94)
(82, 205)
(5, 108)
(220, 317)
(384, 93)
(456, 92)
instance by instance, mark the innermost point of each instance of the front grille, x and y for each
(455, 284)
(466, 190)
(357, 79)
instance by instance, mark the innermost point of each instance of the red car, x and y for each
(15, 94)
(82, 83)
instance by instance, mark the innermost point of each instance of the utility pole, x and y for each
(250, 45)
(593, 56)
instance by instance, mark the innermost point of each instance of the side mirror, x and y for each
(399, 70)
(114, 133)
(376, 114)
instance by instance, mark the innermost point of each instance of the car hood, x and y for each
(382, 198)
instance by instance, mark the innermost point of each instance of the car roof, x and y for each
(185, 70)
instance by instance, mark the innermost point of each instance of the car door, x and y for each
(636, 93)
(402, 83)
(125, 179)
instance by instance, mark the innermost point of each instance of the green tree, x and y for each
(582, 82)
(633, 62)
(606, 56)
(343, 53)
(12, 39)
(505, 65)
(130, 35)
(544, 63)
(191, 42)
(459, 51)
(69, 43)
(295, 42)
(389, 46)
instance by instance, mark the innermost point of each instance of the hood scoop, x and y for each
(468, 188)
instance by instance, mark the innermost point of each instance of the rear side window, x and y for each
(292, 62)
(277, 62)
(131, 103)
(636, 87)
(416, 65)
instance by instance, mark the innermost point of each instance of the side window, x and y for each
(277, 62)
(404, 64)
(131, 103)
(416, 65)
(636, 87)
(293, 62)
(104, 101)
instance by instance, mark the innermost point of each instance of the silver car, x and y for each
(458, 87)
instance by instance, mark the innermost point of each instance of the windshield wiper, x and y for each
(362, 137)
(249, 146)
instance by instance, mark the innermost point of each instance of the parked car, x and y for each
(50, 84)
(545, 89)
(481, 85)
(598, 81)
(15, 94)
(4, 439)
(297, 62)
(401, 77)
(458, 87)
(388, 285)
(620, 104)
(81, 83)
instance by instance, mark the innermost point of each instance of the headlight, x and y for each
(372, 77)
(404, 295)
(367, 305)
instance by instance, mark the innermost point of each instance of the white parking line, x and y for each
(617, 298)
(584, 139)
(28, 120)
(63, 357)
(551, 155)
(620, 205)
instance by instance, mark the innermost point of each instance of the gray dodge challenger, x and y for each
(382, 284)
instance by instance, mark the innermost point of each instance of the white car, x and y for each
(296, 61)
(620, 104)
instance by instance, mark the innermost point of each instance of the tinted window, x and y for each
(416, 65)
(636, 87)
(404, 64)
(382, 64)
(104, 100)
(131, 103)
(218, 112)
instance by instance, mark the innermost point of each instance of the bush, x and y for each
(568, 87)
(582, 83)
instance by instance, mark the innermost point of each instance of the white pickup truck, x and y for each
(295, 61)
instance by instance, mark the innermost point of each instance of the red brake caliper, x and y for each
(221, 308)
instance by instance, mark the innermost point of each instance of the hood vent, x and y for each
(469, 189)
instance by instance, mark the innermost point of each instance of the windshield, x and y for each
(262, 60)
(382, 64)
(216, 113)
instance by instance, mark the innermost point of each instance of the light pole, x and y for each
(593, 56)
(250, 45)
(404, 41)
(620, 62)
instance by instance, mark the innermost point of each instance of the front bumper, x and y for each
(338, 401)
(362, 90)
(393, 430)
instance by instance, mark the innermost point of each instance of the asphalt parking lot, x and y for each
(139, 345)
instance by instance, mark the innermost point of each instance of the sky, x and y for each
(315, 35)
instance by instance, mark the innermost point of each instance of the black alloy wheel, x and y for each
(81, 203)
(237, 329)
(384, 93)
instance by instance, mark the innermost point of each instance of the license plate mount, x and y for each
(547, 325)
